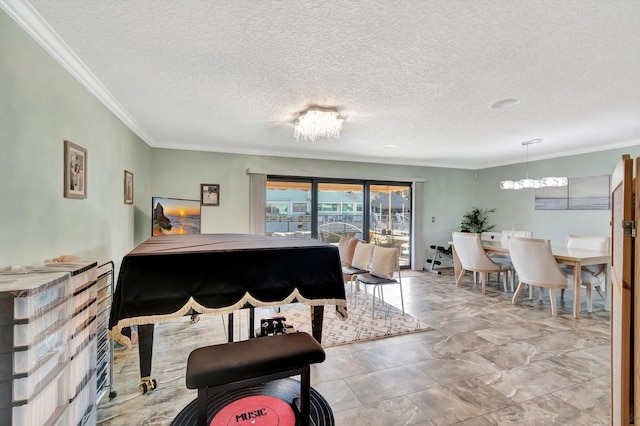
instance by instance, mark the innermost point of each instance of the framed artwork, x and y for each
(174, 216)
(590, 193)
(75, 171)
(582, 193)
(210, 194)
(128, 187)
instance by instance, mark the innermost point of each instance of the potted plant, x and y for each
(477, 220)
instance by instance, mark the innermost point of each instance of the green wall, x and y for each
(178, 174)
(448, 193)
(41, 106)
(518, 207)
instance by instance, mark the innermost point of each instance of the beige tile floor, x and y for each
(487, 362)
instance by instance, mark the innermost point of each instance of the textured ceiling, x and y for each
(231, 76)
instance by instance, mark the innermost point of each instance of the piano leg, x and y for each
(317, 315)
(252, 320)
(145, 349)
(252, 332)
(230, 327)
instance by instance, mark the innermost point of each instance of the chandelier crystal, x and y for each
(527, 183)
(315, 122)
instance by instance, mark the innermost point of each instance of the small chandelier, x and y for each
(316, 122)
(527, 183)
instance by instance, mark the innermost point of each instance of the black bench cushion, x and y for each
(231, 362)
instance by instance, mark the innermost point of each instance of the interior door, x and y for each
(622, 266)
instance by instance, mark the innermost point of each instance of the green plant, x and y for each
(477, 220)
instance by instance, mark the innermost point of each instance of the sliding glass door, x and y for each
(340, 211)
(288, 208)
(326, 209)
(390, 213)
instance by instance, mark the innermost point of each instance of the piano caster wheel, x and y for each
(147, 385)
(195, 318)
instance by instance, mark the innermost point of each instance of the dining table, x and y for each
(574, 257)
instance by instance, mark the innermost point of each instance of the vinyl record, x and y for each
(259, 410)
(286, 390)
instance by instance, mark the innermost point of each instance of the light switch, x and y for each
(433, 218)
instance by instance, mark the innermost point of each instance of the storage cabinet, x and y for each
(48, 346)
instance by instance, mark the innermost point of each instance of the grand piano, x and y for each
(169, 276)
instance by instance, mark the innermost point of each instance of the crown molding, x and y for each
(30, 20)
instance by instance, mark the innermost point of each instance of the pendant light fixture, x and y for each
(527, 183)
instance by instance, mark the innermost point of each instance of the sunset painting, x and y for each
(175, 216)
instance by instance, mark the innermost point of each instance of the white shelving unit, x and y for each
(48, 344)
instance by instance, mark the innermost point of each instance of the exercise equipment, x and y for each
(439, 251)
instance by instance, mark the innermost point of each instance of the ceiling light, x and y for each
(315, 122)
(527, 183)
(505, 103)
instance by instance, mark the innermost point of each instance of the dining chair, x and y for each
(506, 234)
(385, 263)
(346, 248)
(472, 256)
(360, 264)
(505, 258)
(536, 266)
(592, 276)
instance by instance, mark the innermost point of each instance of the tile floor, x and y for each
(487, 362)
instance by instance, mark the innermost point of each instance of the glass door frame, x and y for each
(366, 203)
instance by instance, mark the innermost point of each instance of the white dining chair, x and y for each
(472, 257)
(536, 266)
(591, 276)
(506, 234)
(505, 258)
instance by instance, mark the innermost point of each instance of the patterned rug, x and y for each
(387, 321)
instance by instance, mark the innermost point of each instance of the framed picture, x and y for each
(582, 193)
(210, 194)
(128, 187)
(174, 216)
(75, 171)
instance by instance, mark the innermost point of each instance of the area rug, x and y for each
(387, 321)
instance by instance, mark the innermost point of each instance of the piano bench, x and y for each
(234, 365)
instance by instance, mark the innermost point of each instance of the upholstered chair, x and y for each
(536, 266)
(472, 257)
(360, 263)
(385, 264)
(591, 276)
